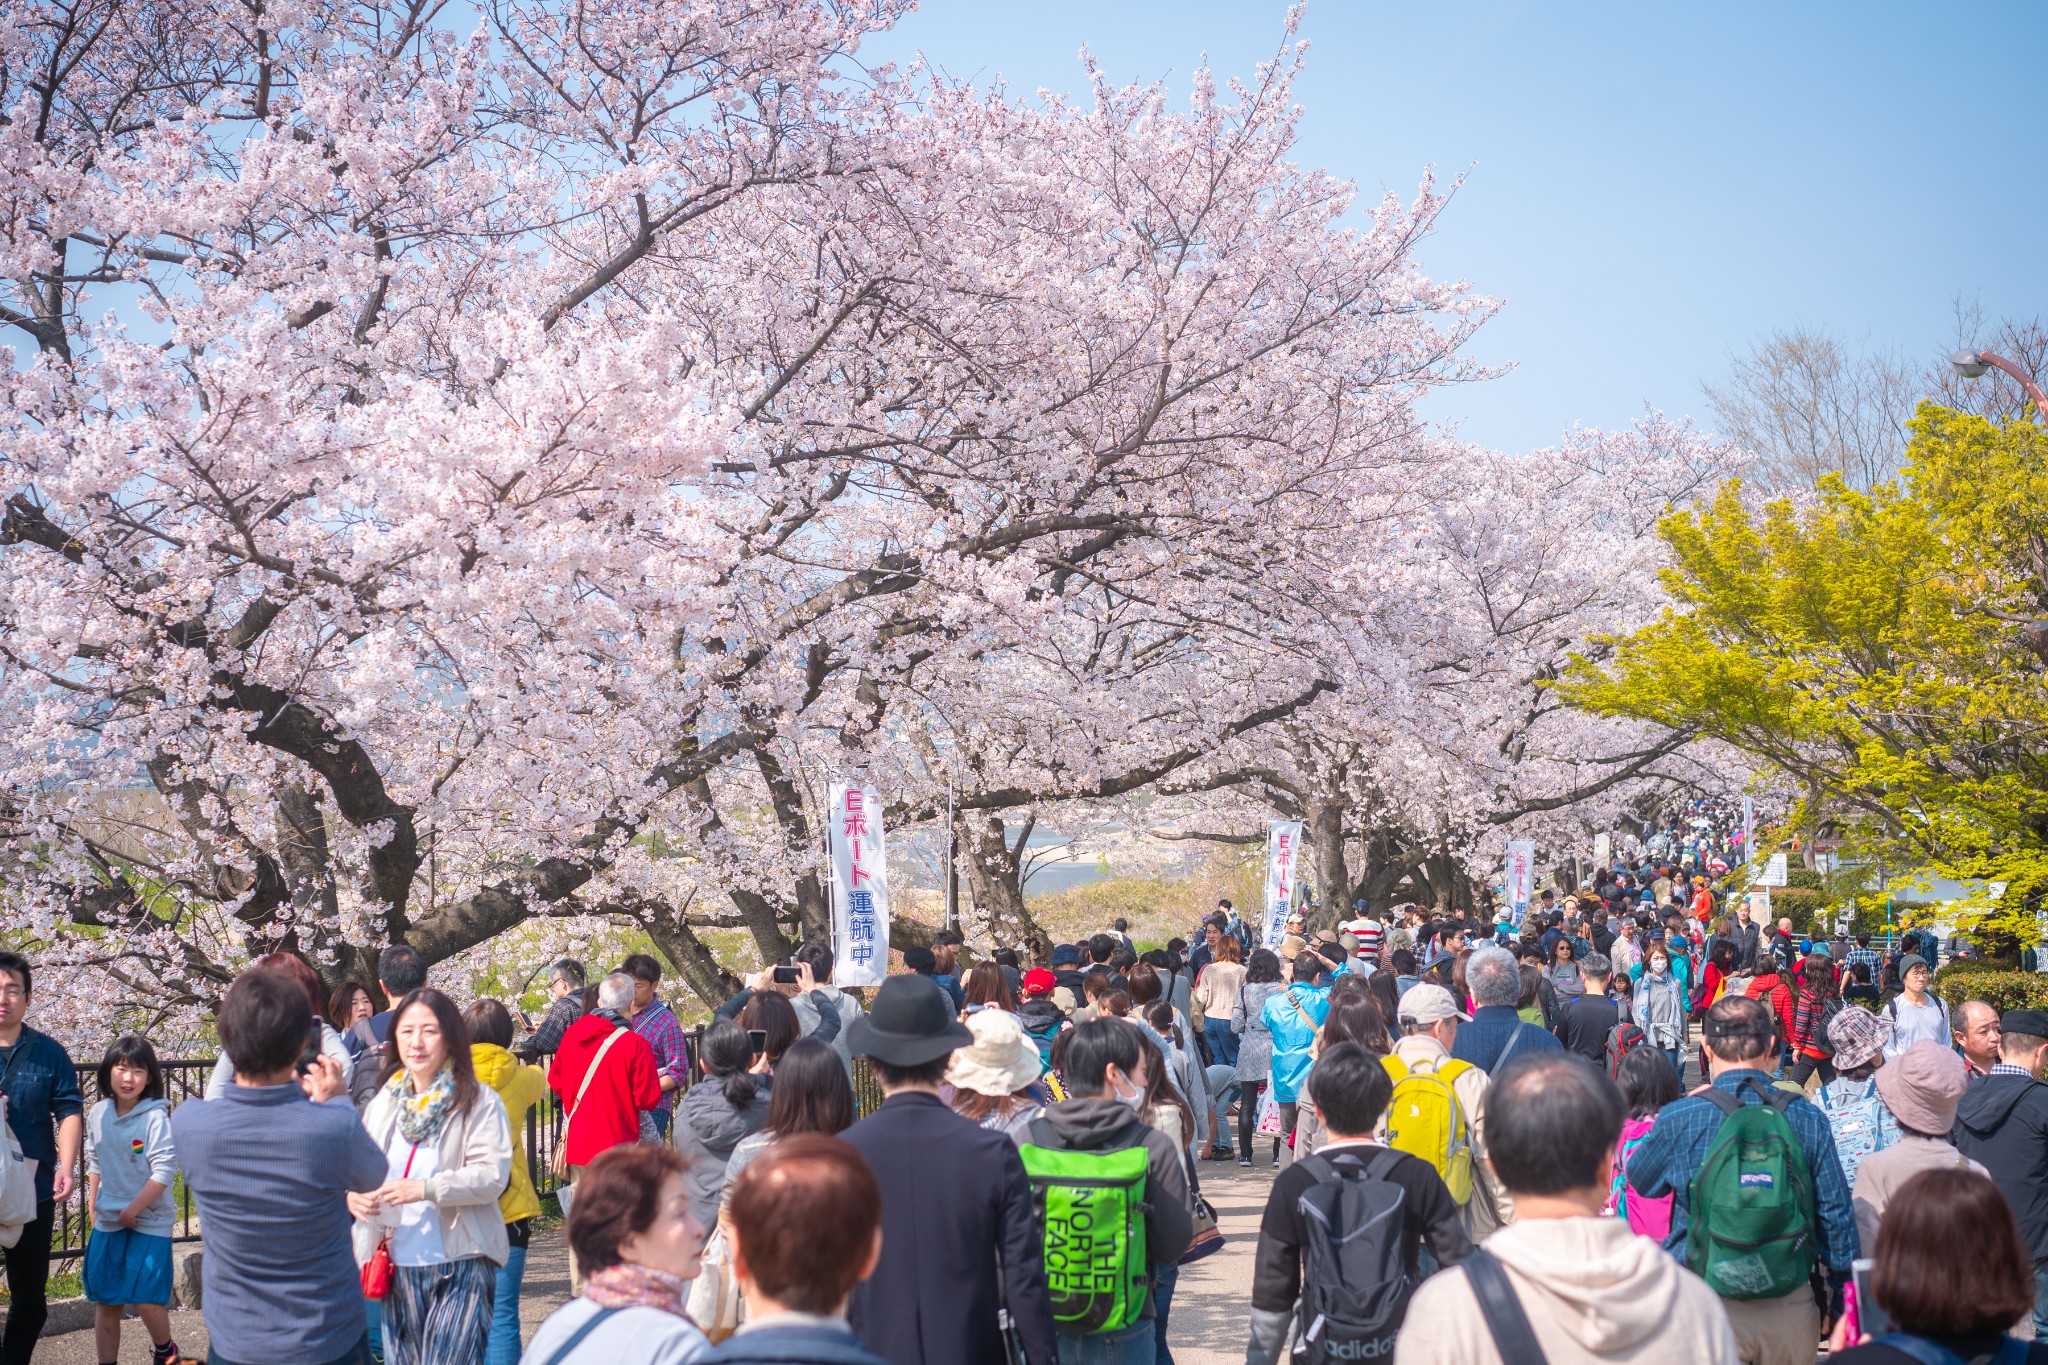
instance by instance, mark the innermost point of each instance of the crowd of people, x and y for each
(1485, 1144)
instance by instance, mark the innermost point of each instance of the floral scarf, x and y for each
(420, 1117)
(636, 1286)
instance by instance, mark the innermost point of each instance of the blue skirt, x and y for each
(125, 1267)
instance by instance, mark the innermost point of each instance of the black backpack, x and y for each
(1355, 1283)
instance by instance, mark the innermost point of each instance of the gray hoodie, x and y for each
(128, 1152)
(1108, 1125)
(707, 1127)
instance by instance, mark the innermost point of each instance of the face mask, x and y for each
(1134, 1099)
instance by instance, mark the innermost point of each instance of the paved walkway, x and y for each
(546, 1288)
(1207, 1326)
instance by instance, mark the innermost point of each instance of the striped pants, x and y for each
(439, 1314)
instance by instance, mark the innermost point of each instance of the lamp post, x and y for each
(1971, 364)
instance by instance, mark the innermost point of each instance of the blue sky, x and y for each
(1650, 186)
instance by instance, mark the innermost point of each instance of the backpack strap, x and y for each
(1722, 1100)
(590, 1324)
(1505, 1320)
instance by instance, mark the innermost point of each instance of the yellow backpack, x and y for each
(1425, 1120)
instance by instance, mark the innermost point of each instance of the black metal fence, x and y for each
(186, 1080)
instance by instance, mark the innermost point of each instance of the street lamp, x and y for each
(1971, 364)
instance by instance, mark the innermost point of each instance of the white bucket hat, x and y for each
(1000, 1061)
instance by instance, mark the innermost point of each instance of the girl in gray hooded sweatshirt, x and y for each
(129, 1168)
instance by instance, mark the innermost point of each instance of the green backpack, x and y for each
(1091, 1207)
(1752, 1204)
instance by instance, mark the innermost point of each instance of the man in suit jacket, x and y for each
(960, 1237)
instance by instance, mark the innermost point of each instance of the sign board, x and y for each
(1997, 890)
(1759, 906)
(1603, 852)
(860, 888)
(1774, 872)
(1283, 853)
(1521, 876)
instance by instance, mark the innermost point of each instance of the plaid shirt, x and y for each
(1672, 1154)
(664, 1033)
(1869, 957)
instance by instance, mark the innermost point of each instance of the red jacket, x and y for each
(1778, 997)
(628, 1082)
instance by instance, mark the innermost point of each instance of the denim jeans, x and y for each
(1164, 1278)
(373, 1339)
(2041, 1300)
(503, 1347)
(1222, 1090)
(1133, 1345)
(1222, 1042)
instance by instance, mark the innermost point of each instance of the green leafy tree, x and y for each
(1886, 650)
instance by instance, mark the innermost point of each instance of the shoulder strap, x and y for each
(1509, 1325)
(1295, 1000)
(590, 1324)
(590, 1072)
(1514, 1041)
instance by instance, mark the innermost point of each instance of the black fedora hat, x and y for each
(910, 1023)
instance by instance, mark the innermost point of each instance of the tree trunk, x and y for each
(1333, 883)
(995, 871)
(706, 977)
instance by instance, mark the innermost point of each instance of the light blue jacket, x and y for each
(1293, 1017)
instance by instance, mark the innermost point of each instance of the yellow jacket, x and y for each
(520, 1087)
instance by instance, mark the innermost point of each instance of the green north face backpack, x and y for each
(1091, 1207)
(1752, 1204)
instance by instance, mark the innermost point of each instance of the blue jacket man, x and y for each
(1495, 981)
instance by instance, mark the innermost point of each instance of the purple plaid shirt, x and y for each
(664, 1033)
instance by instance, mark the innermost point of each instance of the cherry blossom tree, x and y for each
(463, 476)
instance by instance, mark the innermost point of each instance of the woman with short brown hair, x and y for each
(636, 1246)
(1951, 1271)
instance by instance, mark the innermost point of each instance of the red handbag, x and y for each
(378, 1270)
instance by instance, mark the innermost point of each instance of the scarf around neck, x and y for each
(421, 1117)
(636, 1286)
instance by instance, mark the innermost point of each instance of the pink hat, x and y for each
(1922, 1086)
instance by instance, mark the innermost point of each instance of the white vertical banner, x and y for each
(860, 888)
(1603, 851)
(1521, 876)
(1748, 829)
(1283, 851)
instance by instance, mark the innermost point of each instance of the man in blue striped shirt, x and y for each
(1742, 1047)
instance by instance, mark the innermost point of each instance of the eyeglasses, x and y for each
(12, 993)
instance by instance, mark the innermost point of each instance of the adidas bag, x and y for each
(1354, 1285)
(1752, 1202)
(1425, 1120)
(1091, 1208)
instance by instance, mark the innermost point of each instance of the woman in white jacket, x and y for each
(436, 1215)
